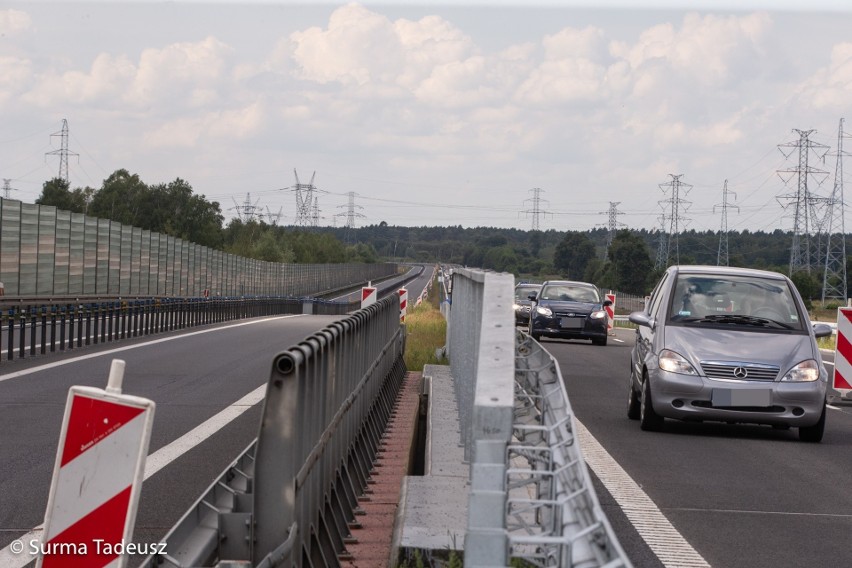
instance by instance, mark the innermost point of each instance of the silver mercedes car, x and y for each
(727, 344)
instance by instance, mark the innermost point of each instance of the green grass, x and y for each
(425, 332)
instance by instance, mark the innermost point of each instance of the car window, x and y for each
(656, 296)
(569, 293)
(699, 299)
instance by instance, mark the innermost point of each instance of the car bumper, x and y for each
(550, 327)
(690, 397)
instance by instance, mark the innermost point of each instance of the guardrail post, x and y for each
(23, 334)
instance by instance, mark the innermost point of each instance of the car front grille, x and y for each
(739, 371)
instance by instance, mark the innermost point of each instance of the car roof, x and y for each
(570, 282)
(527, 285)
(726, 271)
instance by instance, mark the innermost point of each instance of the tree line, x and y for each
(624, 261)
(175, 209)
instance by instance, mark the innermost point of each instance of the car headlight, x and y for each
(600, 314)
(516, 306)
(675, 363)
(541, 310)
(806, 371)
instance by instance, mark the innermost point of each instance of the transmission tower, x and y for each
(8, 189)
(536, 211)
(315, 213)
(722, 255)
(662, 244)
(273, 218)
(246, 212)
(351, 214)
(676, 206)
(63, 151)
(306, 205)
(834, 277)
(612, 224)
(804, 203)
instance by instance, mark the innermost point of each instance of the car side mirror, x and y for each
(822, 330)
(607, 303)
(532, 296)
(640, 318)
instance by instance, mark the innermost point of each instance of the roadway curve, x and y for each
(741, 495)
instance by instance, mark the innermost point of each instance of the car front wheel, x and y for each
(813, 433)
(649, 420)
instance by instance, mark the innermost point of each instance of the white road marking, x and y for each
(655, 529)
(162, 457)
(55, 364)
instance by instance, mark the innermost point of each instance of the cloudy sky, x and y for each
(434, 113)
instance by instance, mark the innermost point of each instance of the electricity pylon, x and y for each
(722, 255)
(834, 276)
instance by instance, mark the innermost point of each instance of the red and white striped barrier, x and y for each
(403, 303)
(97, 478)
(610, 311)
(842, 381)
(368, 296)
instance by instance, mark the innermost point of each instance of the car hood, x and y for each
(576, 307)
(713, 344)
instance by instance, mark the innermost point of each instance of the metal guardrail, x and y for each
(292, 496)
(530, 492)
(557, 521)
(28, 330)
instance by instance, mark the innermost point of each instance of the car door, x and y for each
(645, 334)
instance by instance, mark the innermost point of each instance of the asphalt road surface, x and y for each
(741, 496)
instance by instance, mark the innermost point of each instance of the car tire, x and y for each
(813, 433)
(599, 341)
(634, 402)
(649, 420)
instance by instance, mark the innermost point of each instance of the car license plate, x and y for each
(573, 323)
(741, 397)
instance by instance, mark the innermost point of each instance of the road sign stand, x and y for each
(97, 477)
(610, 313)
(368, 295)
(841, 382)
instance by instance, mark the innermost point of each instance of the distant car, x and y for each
(727, 344)
(523, 291)
(569, 310)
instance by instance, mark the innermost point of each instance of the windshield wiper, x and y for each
(741, 320)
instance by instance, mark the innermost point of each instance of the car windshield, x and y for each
(569, 293)
(747, 301)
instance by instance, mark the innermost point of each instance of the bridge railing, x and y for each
(290, 497)
(531, 495)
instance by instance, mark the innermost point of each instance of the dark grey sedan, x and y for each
(727, 344)
(569, 310)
